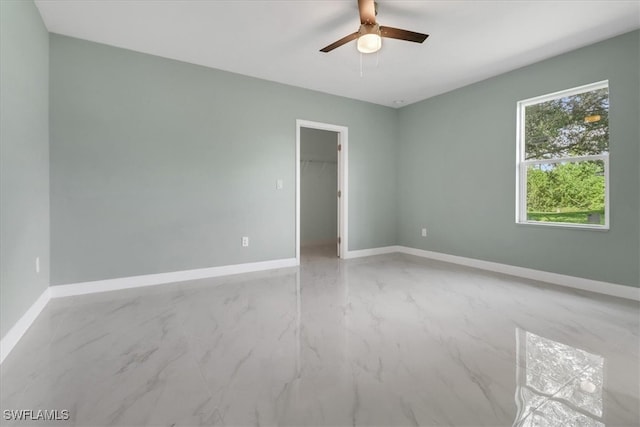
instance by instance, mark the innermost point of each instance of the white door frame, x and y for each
(343, 181)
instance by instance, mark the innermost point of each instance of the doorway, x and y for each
(321, 172)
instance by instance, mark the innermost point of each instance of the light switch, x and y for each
(279, 184)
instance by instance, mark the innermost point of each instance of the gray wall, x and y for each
(457, 169)
(158, 165)
(24, 159)
(318, 186)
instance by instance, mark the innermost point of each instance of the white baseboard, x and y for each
(606, 288)
(163, 278)
(370, 252)
(9, 341)
(12, 337)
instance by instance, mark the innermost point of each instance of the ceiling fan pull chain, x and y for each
(377, 58)
(361, 74)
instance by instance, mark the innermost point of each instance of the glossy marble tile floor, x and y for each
(387, 341)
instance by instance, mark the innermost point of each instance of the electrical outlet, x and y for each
(37, 264)
(424, 232)
(245, 242)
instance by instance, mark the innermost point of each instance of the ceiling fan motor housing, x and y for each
(369, 29)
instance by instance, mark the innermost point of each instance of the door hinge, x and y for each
(339, 240)
(339, 147)
(339, 193)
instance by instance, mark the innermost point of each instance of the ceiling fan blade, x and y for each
(340, 42)
(367, 10)
(397, 33)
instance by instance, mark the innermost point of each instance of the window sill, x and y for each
(588, 227)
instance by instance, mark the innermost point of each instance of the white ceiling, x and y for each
(280, 40)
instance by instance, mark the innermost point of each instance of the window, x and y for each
(563, 158)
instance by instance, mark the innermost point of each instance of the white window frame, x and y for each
(522, 164)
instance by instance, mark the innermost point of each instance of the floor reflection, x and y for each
(557, 384)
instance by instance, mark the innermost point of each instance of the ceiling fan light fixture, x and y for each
(370, 40)
(369, 43)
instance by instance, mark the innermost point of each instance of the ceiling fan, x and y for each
(370, 33)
